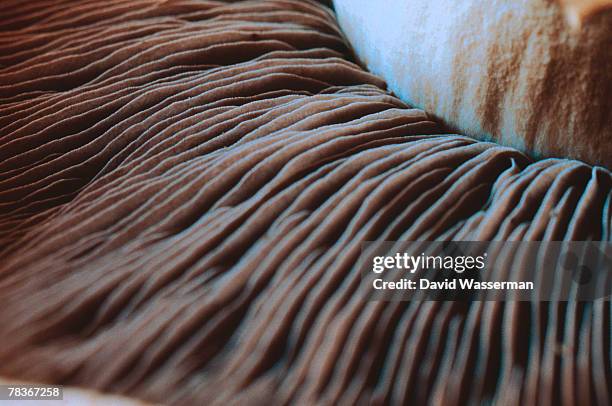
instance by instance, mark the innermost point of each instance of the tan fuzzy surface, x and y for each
(531, 74)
